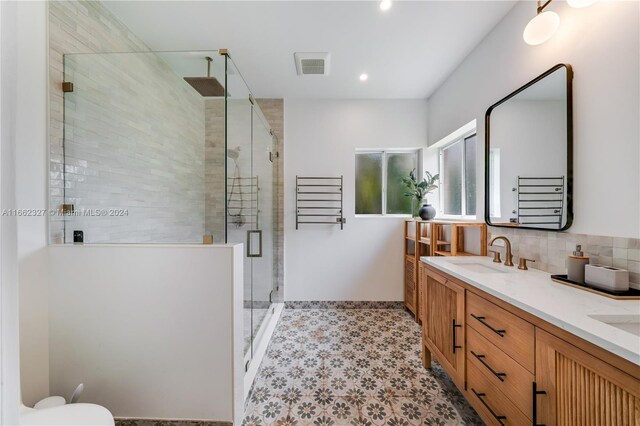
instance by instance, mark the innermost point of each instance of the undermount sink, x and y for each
(628, 323)
(474, 266)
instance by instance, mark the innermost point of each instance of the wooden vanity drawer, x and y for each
(494, 407)
(510, 333)
(500, 370)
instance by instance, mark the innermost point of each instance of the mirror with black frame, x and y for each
(528, 155)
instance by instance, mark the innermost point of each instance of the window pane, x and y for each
(452, 179)
(398, 166)
(470, 175)
(369, 183)
(494, 184)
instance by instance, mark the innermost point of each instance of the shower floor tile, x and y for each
(351, 367)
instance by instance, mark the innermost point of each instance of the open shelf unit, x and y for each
(410, 266)
(433, 238)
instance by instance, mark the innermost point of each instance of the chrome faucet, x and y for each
(508, 261)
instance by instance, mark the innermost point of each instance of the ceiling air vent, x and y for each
(312, 63)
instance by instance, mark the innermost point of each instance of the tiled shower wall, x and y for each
(136, 139)
(550, 249)
(214, 169)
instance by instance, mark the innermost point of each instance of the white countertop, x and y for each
(566, 307)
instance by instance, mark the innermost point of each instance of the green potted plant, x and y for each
(418, 192)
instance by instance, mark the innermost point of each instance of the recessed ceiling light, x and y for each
(385, 5)
(363, 77)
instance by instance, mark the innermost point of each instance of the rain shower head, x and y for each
(206, 86)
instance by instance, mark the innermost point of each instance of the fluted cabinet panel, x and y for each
(581, 390)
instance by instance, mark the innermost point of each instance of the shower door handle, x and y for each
(250, 252)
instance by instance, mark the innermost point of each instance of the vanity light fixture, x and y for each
(385, 5)
(542, 27)
(363, 77)
(578, 4)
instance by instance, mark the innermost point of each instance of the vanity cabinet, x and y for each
(517, 369)
(443, 325)
(580, 388)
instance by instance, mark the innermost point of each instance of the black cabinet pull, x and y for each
(536, 392)
(480, 358)
(500, 333)
(453, 340)
(482, 395)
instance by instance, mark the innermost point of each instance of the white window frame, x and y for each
(495, 210)
(457, 139)
(416, 151)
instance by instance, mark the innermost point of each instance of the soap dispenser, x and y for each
(576, 264)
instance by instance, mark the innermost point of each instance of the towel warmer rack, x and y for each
(319, 201)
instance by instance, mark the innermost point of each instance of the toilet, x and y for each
(67, 414)
(54, 410)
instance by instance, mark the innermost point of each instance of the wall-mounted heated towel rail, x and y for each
(319, 201)
(541, 201)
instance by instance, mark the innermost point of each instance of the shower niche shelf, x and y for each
(319, 201)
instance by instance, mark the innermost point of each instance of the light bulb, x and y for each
(580, 3)
(541, 28)
(363, 77)
(385, 5)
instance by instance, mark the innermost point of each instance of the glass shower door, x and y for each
(260, 242)
(240, 215)
(250, 211)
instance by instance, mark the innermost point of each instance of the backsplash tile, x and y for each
(550, 250)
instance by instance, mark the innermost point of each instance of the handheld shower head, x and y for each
(233, 153)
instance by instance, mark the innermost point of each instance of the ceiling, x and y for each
(406, 51)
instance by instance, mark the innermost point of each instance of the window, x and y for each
(458, 177)
(379, 188)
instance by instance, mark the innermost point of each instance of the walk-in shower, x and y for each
(168, 147)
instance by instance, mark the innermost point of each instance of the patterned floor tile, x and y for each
(342, 410)
(376, 411)
(351, 367)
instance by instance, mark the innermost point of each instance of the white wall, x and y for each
(9, 351)
(364, 261)
(602, 43)
(151, 331)
(31, 193)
